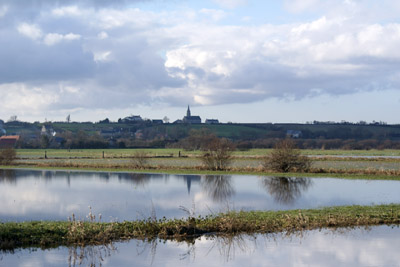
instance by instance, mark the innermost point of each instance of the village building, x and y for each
(8, 141)
(132, 119)
(294, 134)
(48, 131)
(212, 121)
(2, 130)
(178, 122)
(191, 119)
(157, 121)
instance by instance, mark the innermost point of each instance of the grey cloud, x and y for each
(134, 70)
(28, 60)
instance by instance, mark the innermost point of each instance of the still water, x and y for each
(56, 195)
(377, 246)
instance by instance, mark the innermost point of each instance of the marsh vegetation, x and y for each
(49, 234)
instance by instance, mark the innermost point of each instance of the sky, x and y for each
(232, 60)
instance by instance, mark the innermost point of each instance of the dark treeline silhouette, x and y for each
(148, 134)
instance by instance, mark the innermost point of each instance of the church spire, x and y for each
(188, 112)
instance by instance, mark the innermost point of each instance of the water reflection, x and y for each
(285, 190)
(375, 246)
(138, 179)
(55, 195)
(90, 255)
(218, 187)
(8, 176)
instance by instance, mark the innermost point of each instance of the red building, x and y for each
(8, 141)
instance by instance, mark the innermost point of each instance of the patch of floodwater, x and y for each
(376, 246)
(355, 156)
(56, 195)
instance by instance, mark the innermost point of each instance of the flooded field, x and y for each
(376, 246)
(56, 195)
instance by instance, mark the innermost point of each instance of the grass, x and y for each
(318, 173)
(255, 153)
(46, 234)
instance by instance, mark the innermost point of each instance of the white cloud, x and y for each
(102, 56)
(67, 11)
(3, 10)
(230, 3)
(215, 15)
(19, 98)
(54, 38)
(298, 6)
(102, 35)
(30, 30)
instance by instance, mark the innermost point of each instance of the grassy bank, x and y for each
(366, 174)
(174, 152)
(51, 234)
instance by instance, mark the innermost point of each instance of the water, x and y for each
(377, 246)
(56, 195)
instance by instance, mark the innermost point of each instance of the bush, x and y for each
(139, 159)
(7, 156)
(217, 154)
(285, 157)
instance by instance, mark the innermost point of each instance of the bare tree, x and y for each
(13, 118)
(139, 159)
(166, 119)
(286, 157)
(217, 153)
(7, 156)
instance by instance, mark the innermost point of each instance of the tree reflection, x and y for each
(8, 176)
(139, 179)
(285, 190)
(218, 187)
(89, 255)
(229, 245)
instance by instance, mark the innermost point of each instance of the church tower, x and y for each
(188, 112)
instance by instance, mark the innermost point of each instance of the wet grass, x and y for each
(46, 234)
(244, 162)
(366, 174)
(174, 152)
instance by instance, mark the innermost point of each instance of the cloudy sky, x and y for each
(235, 60)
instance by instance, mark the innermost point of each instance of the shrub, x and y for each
(217, 153)
(7, 156)
(139, 159)
(285, 157)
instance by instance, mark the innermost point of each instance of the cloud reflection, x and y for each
(376, 246)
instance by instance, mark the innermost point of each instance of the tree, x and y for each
(68, 118)
(286, 157)
(44, 141)
(106, 120)
(166, 119)
(198, 139)
(13, 118)
(7, 156)
(217, 153)
(139, 160)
